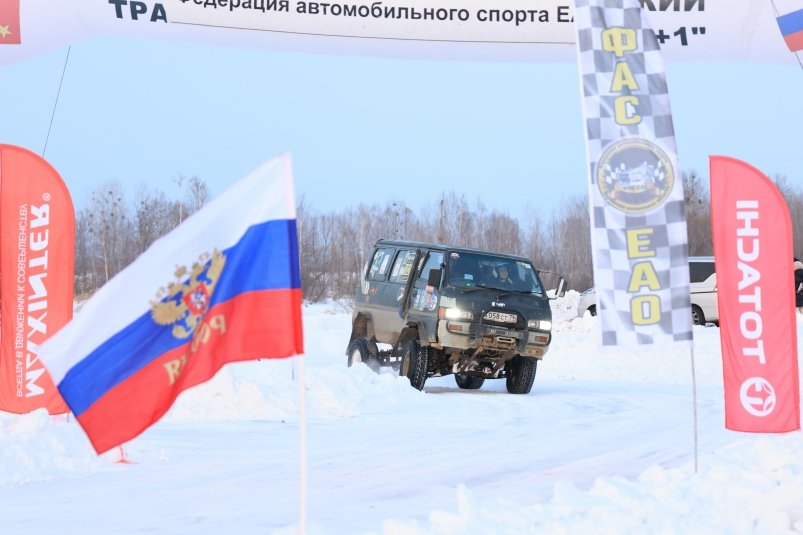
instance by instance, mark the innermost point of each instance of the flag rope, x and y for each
(56, 103)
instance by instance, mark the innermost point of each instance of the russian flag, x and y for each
(791, 26)
(224, 286)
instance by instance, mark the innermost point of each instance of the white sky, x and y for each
(366, 129)
(604, 444)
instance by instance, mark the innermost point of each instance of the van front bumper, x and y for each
(467, 335)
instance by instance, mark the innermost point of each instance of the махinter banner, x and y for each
(752, 234)
(37, 250)
(638, 220)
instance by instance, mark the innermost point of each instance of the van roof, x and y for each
(429, 245)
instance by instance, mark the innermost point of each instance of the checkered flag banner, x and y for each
(638, 222)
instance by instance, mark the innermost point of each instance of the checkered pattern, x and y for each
(612, 267)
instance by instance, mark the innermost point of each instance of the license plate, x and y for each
(501, 316)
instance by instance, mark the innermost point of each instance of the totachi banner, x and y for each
(753, 252)
(37, 240)
(638, 219)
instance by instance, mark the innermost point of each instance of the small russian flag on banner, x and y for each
(791, 26)
(222, 287)
(10, 22)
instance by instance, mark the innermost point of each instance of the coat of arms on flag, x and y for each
(187, 301)
(10, 22)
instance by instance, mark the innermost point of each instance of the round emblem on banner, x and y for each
(634, 175)
(757, 396)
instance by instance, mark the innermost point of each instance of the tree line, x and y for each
(111, 231)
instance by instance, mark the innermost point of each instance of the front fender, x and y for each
(362, 326)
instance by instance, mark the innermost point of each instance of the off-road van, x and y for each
(443, 310)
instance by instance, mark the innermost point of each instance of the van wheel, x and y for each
(592, 310)
(365, 351)
(520, 373)
(697, 316)
(468, 382)
(414, 363)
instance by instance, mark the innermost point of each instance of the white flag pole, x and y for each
(302, 429)
(694, 404)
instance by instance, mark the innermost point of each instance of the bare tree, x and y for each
(86, 266)
(197, 194)
(697, 203)
(794, 201)
(179, 181)
(311, 253)
(569, 234)
(536, 246)
(108, 227)
(154, 216)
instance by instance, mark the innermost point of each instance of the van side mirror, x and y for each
(434, 278)
(561, 291)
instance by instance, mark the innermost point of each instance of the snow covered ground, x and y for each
(604, 444)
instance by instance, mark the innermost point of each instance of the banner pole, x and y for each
(694, 405)
(302, 429)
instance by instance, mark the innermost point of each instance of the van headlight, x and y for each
(541, 325)
(455, 314)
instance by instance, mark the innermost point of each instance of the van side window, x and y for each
(433, 260)
(700, 271)
(403, 266)
(380, 264)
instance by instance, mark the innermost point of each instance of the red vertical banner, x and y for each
(753, 252)
(37, 247)
(10, 22)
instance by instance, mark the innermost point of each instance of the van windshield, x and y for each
(465, 270)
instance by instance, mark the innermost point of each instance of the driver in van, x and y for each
(504, 280)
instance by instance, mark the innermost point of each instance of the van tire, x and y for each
(697, 316)
(468, 382)
(520, 374)
(414, 363)
(365, 351)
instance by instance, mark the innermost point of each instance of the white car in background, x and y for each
(703, 287)
(587, 303)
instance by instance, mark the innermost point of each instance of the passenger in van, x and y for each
(488, 275)
(798, 267)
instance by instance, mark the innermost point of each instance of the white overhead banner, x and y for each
(502, 30)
